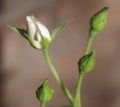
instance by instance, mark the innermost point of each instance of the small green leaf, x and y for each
(87, 62)
(44, 42)
(58, 30)
(24, 34)
(44, 93)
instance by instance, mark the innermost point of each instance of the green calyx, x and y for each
(87, 62)
(44, 43)
(98, 21)
(44, 93)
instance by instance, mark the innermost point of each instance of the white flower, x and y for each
(37, 31)
(37, 34)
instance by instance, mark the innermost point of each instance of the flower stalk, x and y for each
(77, 102)
(42, 104)
(77, 95)
(57, 77)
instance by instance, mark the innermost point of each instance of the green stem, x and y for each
(43, 104)
(77, 96)
(88, 45)
(92, 34)
(57, 77)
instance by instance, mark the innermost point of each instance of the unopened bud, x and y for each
(98, 21)
(87, 62)
(44, 93)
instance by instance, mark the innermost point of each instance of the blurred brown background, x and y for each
(22, 69)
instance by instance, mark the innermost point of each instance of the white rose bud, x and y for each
(38, 33)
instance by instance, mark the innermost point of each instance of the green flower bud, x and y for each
(44, 93)
(98, 21)
(87, 62)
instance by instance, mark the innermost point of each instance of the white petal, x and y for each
(31, 26)
(43, 29)
(37, 44)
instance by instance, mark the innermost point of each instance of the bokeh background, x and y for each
(22, 68)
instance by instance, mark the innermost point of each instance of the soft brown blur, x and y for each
(22, 68)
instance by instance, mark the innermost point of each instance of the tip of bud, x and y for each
(102, 10)
(105, 8)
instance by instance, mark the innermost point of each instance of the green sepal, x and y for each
(44, 93)
(98, 21)
(55, 33)
(87, 62)
(44, 42)
(24, 34)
